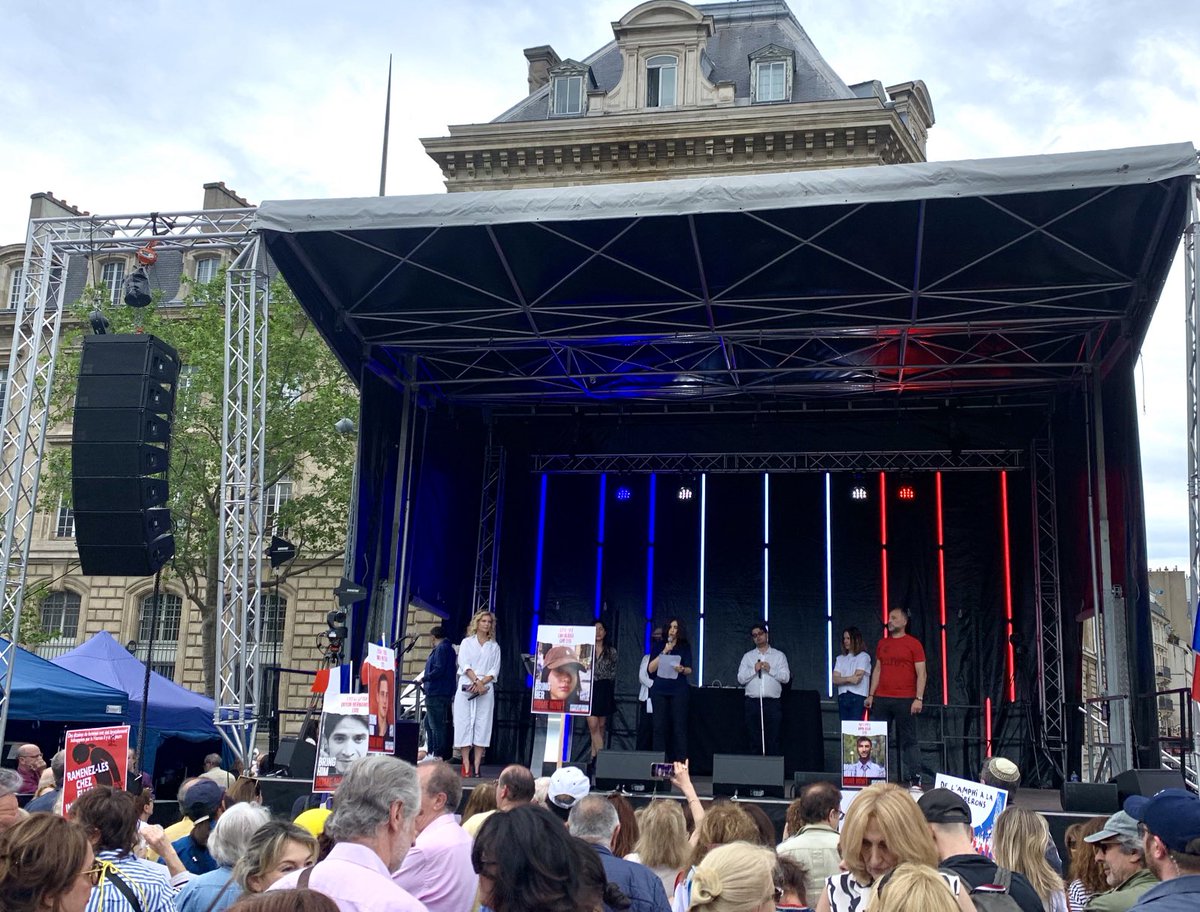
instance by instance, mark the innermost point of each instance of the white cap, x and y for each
(567, 786)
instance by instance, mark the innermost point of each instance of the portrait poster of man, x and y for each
(986, 804)
(864, 753)
(380, 680)
(563, 668)
(342, 738)
(94, 756)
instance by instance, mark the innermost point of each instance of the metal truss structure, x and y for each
(51, 248)
(816, 461)
(1051, 691)
(491, 509)
(243, 508)
(1191, 266)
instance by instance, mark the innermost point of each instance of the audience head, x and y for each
(738, 877)
(233, 831)
(766, 829)
(276, 848)
(212, 762)
(594, 820)
(437, 633)
(483, 799)
(1083, 864)
(143, 803)
(540, 786)
(884, 828)
(852, 641)
(1170, 827)
(627, 835)
(949, 818)
(789, 881)
(58, 766)
(441, 791)
(1019, 844)
(913, 888)
(1001, 773)
(662, 835)
(525, 860)
(46, 865)
(515, 786)
(246, 788)
(10, 808)
(723, 823)
(29, 757)
(203, 805)
(567, 787)
(110, 818)
(377, 803)
(819, 802)
(285, 901)
(1118, 848)
(181, 793)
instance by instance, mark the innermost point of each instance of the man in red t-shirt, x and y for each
(897, 689)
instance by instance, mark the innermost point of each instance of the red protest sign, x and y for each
(95, 756)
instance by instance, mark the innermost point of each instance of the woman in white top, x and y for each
(852, 675)
(883, 829)
(475, 699)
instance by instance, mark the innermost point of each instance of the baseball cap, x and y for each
(202, 798)
(567, 787)
(940, 805)
(1173, 815)
(561, 655)
(1119, 824)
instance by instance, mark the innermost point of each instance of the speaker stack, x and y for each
(120, 452)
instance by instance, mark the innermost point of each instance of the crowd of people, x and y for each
(394, 840)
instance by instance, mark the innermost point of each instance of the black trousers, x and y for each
(670, 724)
(645, 728)
(772, 720)
(898, 711)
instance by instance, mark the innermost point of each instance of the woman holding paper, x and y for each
(475, 699)
(670, 666)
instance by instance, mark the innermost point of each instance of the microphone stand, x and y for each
(762, 729)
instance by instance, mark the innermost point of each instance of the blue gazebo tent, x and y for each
(42, 691)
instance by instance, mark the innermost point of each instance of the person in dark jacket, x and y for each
(440, 674)
(594, 820)
(1170, 824)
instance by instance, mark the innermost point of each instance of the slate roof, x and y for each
(739, 30)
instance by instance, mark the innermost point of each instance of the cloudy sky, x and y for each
(133, 106)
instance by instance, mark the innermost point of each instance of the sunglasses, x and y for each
(94, 873)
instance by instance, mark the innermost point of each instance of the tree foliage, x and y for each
(307, 392)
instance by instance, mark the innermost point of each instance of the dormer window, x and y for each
(568, 95)
(661, 81)
(771, 75)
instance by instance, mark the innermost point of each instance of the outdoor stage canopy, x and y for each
(936, 318)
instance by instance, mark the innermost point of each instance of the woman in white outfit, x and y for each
(475, 699)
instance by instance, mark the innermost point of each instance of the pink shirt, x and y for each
(437, 869)
(355, 878)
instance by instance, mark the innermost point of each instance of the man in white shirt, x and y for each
(763, 672)
(866, 770)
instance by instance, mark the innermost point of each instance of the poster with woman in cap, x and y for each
(563, 669)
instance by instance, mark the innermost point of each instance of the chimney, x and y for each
(47, 205)
(541, 59)
(218, 196)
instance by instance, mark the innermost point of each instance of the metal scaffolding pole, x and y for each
(1191, 267)
(491, 506)
(1051, 692)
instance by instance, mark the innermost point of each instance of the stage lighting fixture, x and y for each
(858, 492)
(685, 492)
(623, 493)
(906, 492)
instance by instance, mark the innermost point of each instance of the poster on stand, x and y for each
(94, 756)
(379, 675)
(986, 805)
(342, 738)
(563, 669)
(864, 753)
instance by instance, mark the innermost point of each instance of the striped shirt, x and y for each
(147, 881)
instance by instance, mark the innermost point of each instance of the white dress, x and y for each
(473, 718)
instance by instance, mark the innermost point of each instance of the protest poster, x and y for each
(563, 669)
(379, 675)
(94, 756)
(986, 805)
(864, 753)
(342, 738)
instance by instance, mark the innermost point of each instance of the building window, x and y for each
(14, 286)
(112, 274)
(59, 620)
(166, 633)
(206, 269)
(270, 651)
(661, 74)
(3, 381)
(277, 495)
(771, 80)
(568, 95)
(64, 523)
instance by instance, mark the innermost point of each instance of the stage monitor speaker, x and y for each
(1090, 798)
(297, 757)
(1146, 782)
(801, 778)
(745, 776)
(630, 771)
(120, 453)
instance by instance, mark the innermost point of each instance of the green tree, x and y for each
(307, 392)
(30, 634)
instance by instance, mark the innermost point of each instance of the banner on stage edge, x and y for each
(379, 675)
(94, 756)
(986, 805)
(342, 738)
(563, 669)
(864, 753)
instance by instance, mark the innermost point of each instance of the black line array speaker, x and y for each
(1147, 782)
(747, 776)
(1090, 798)
(120, 453)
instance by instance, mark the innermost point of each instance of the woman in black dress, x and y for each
(603, 686)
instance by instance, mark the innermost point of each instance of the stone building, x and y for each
(687, 91)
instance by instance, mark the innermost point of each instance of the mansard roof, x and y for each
(740, 29)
